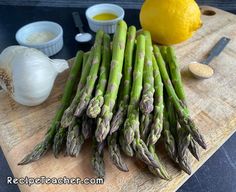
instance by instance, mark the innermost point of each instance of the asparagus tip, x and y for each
(146, 105)
(199, 139)
(196, 157)
(115, 155)
(74, 141)
(193, 148)
(184, 164)
(102, 130)
(67, 118)
(94, 107)
(56, 151)
(97, 161)
(144, 154)
(116, 121)
(162, 173)
(59, 140)
(36, 154)
(80, 109)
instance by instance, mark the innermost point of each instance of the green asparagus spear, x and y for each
(169, 140)
(163, 50)
(180, 136)
(114, 152)
(183, 143)
(179, 89)
(59, 141)
(193, 148)
(132, 120)
(69, 112)
(103, 125)
(146, 104)
(142, 152)
(172, 116)
(75, 138)
(97, 159)
(127, 149)
(101, 146)
(157, 124)
(119, 116)
(61, 135)
(85, 58)
(145, 125)
(87, 126)
(96, 103)
(183, 113)
(175, 74)
(41, 148)
(161, 170)
(92, 77)
(131, 126)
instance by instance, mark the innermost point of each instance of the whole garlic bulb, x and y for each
(28, 75)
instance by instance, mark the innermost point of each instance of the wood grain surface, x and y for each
(212, 103)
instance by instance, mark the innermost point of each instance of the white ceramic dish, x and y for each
(108, 26)
(50, 47)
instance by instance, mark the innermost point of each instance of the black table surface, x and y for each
(216, 175)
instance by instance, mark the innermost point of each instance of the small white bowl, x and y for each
(51, 46)
(109, 26)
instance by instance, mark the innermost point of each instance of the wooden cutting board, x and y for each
(212, 103)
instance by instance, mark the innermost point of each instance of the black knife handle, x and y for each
(217, 49)
(78, 21)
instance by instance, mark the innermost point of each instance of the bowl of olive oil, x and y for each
(104, 16)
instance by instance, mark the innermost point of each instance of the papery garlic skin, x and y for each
(30, 73)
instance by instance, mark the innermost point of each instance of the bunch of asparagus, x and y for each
(129, 94)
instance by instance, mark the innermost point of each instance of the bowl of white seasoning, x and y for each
(45, 36)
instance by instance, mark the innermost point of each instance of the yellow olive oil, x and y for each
(105, 16)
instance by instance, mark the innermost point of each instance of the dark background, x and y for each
(223, 4)
(218, 174)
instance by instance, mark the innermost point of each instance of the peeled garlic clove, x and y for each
(30, 74)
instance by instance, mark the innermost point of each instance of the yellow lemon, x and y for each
(170, 21)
